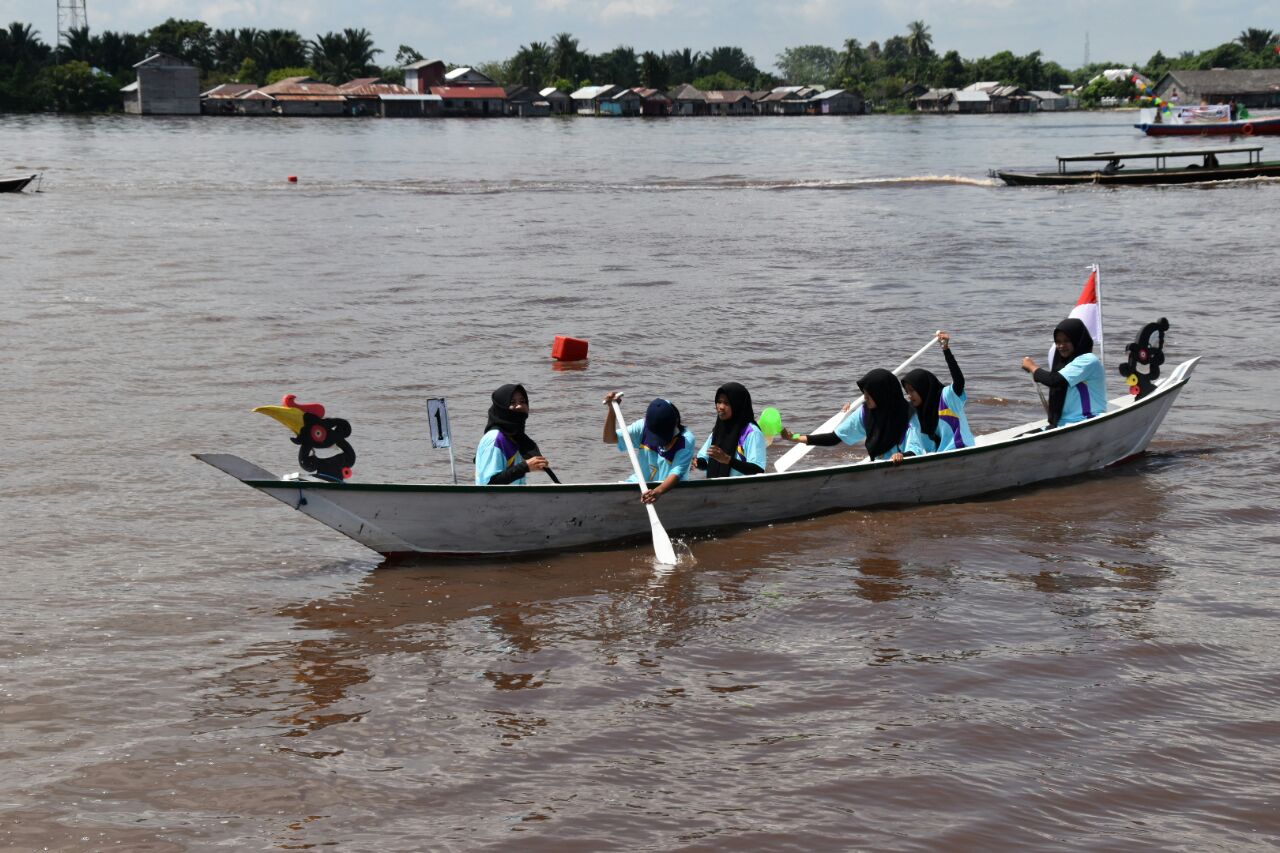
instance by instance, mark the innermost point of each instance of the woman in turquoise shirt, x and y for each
(1077, 384)
(664, 446)
(736, 445)
(505, 453)
(885, 422)
(939, 409)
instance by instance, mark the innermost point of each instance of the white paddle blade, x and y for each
(663, 550)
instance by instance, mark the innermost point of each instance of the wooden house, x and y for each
(472, 101)
(371, 96)
(688, 101)
(221, 100)
(302, 96)
(526, 102)
(653, 102)
(836, 102)
(1256, 88)
(730, 102)
(166, 86)
(623, 102)
(559, 102)
(422, 75)
(586, 101)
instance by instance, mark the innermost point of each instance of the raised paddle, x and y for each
(662, 548)
(795, 454)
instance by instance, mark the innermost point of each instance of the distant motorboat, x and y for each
(1111, 168)
(1204, 120)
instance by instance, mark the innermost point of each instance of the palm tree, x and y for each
(565, 56)
(919, 46)
(279, 49)
(1255, 40)
(360, 50)
(851, 61)
(79, 47)
(22, 45)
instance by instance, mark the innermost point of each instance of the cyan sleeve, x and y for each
(706, 448)
(852, 430)
(684, 459)
(753, 448)
(1079, 369)
(489, 459)
(911, 443)
(636, 428)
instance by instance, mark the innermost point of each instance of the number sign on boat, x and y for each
(438, 423)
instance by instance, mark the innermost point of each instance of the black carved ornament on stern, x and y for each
(321, 433)
(1143, 358)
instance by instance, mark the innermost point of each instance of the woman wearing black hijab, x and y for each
(940, 408)
(506, 453)
(736, 445)
(885, 422)
(1077, 383)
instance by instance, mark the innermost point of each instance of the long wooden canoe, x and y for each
(462, 520)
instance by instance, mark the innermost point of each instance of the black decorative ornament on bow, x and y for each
(1143, 358)
(313, 431)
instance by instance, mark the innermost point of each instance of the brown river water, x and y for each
(186, 664)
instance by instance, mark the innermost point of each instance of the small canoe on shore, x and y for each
(1175, 166)
(463, 520)
(15, 185)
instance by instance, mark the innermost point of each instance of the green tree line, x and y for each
(86, 73)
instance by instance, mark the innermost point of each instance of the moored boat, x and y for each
(15, 185)
(462, 520)
(1157, 167)
(1267, 126)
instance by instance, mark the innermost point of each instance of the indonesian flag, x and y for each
(1089, 311)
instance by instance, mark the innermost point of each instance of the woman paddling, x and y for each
(884, 422)
(1077, 384)
(736, 445)
(664, 446)
(939, 409)
(506, 453)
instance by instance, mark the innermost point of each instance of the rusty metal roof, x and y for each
(448, 92)
(372, 87)
(302, 89)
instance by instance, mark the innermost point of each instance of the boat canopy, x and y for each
(1156, 155)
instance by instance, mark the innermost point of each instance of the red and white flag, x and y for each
(1089, 311)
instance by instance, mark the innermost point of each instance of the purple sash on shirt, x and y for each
(1084, 400)
(952, 420)
(508, 447)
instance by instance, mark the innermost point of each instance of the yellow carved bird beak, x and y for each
(290, 417)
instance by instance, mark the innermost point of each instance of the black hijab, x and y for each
(929, 388)
(510, 422)
(1078, 334)
(727, 434)
(888, 421)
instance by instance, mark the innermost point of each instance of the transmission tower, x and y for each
(1086, 44)
(71, 16)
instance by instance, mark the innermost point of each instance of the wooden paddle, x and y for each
(662, 548)
(795, 454)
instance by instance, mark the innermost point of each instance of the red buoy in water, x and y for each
(293, 179)
(569, 349)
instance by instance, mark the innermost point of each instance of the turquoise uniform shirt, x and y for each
(1087, 395)
(495, 454)
(854, 431)
(750, 449)
(953, 426)
(656, 466)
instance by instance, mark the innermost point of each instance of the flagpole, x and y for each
(1102, 344)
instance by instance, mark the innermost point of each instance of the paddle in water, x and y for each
(662, 548)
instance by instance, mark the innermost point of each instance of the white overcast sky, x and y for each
(473, 31)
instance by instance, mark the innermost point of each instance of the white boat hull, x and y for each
(458, 520)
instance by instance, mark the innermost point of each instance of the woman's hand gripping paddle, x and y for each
(662, 548)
